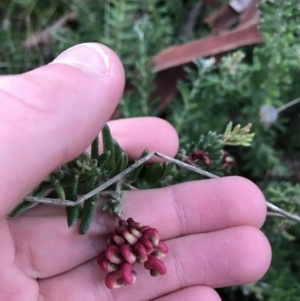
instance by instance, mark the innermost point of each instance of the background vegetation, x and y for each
(212, 93)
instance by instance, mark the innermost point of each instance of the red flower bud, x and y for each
(154, 273)
(101, 254)
(131, 223)
(119, 240)
(106, 265)
(123, 223)
(114, 280)
(199, 155)
(144, 228)
(206, 160)
(138, 226)
(132, 239)
(163, 248)
(129, 275)
(127, 253)
(147, 244)
(156, 264)
(113, 254)
(135, 232)
(141, 252)
(152, 235)
(120, 229)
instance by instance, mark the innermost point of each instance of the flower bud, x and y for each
(106, 265)
(120, 229)
(156, 264)
(119, 240)
(147, 244)
(141, 252)
(123, 223)
(129, 275)
(152, 235)
(131, 223)
(114, 280)
(127, 253)
(113, 254)
(144, 228)
(135, 232)
(132, 239)
(163, 248)
(138, 226)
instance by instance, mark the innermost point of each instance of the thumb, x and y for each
(50, 115)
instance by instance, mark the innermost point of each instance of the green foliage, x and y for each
(287, 196)
(238, 135)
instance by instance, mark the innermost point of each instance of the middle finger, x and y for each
(183, 209)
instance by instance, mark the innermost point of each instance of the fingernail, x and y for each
(88, 57)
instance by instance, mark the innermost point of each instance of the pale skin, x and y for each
(49, 116)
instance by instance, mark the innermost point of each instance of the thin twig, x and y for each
(121, 175)
(276, 214)
(119, 186)
(289, 104)
(187, 166)
(95, 191)
(130, 186)
(285, 213)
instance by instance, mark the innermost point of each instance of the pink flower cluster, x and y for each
(132, 242)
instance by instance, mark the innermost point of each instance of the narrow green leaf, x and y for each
(60, 191)
(22, 207)
(103, 158)
(68, 179)
(120, 166)
(89, 207)
(107, 206)
(134, 174)
(118, 150)
(80, 209)
(228, 129)
(95, 149)
(236, 129)
(108, 146)
(125, 162)
(155, 172)
(71, 195)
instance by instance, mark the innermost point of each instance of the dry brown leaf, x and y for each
(250, 13)
(178, 55)
(166, 85)
(222, 19)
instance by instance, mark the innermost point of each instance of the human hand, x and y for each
(49, 116)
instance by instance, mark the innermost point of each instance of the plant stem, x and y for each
(134, 166)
